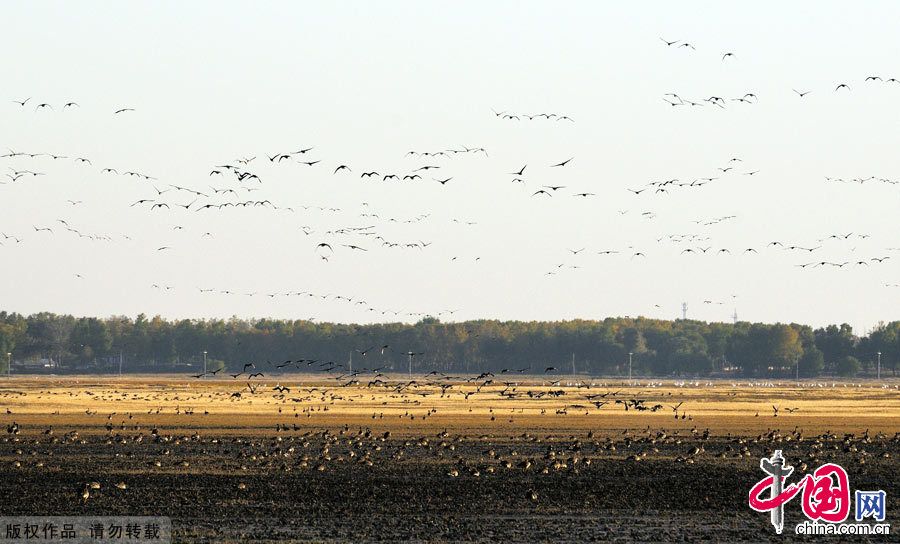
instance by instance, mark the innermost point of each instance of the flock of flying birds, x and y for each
(241, 183)
(674, 99)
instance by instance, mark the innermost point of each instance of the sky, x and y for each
(364, 83)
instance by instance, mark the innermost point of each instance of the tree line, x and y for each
(46, 342)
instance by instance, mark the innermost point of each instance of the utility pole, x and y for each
(879, 365)
(684, 310)
(351, 361)
(204, 363)
(8, 365)
(798, 370)
(410, 364)
(120, 362)
(629, 365)
(573, 363)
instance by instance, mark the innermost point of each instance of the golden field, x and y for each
(528, 404)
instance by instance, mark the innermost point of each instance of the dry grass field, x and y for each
(307, 458)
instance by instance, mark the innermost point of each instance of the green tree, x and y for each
(848, 366)
(835, 342)
(785, 347)
(9, 335)
(89, 338)
(633, 340)
(812, 362)
(665, 348)
(885, 339)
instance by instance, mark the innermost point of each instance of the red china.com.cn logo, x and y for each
(825, 498)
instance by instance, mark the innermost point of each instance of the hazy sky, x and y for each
(363, 83)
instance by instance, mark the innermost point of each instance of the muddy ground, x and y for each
(261, 489)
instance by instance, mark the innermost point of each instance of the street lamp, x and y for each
(204, 362)
(879, 365)
(629, 365)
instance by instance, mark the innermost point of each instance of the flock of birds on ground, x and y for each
(241, 184)
(302, 446)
